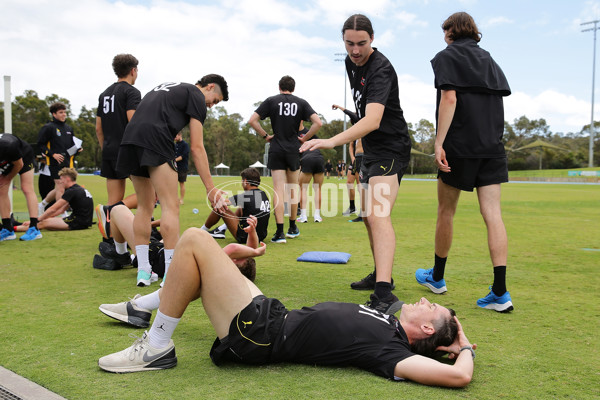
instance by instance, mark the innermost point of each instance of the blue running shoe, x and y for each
(5, 234)
(497, 303)
(425, 277)
(32, 233)
(144, 278)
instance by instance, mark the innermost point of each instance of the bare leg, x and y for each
(29, 192)
(489, 205)
(303, 181)
(141, 222)
(200, 267)
(292, 181)
(447, 202)
(116, 190)
(121, 224)
(164, 180)
(318, 182)
(279, 177)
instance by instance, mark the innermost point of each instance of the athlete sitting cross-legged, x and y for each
(254, 329)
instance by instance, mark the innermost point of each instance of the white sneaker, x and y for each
(128, 312)
(302, 219)
(140, 357)
(318, 218)
(154, 278)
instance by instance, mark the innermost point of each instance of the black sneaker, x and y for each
(349, 211)
(367, 283)
(293, 232)
(278, 238)
(108, 251)
(357, 219)
(390, 305)
(217, 233)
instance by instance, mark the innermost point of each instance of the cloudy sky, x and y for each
(66, 48)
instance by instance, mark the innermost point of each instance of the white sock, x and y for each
(44, 202)
(161, 331)
(121, 247)
(204, 228)
(168, 258)
(223, 227)
(141, 251)
(303, 212)
(149, 302)
(317, 213)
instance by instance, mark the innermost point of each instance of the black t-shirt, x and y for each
(11, 149)
(377, 82)
(478, 123)
(343, 334)
(81, 203)
(253, 202)
(286, 111)
(311, 154)
(163, 112)
(182, 149)
(56, 137)
(113, 105)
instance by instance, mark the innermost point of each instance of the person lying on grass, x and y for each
(254, 329)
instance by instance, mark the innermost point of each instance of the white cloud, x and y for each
(497, 21)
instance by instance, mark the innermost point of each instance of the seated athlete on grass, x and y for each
(138, 311)
(254, 329)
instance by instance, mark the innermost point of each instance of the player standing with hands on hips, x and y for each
(386, 145)
(468, 150)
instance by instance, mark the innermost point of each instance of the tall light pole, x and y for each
(342, 60)
(595, 28)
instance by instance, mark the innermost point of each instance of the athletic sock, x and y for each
(438, 268)
(44, 202)
(150, 301)
(292, 223)
(317, 213)
(204, 228)
(141, 251)
(161, 331)
(6, 224)
(168, 258)
(279, 228)
(223, 227)
(383, 289)
(303, 212)
(33, 222)
(499, 286)
(121, 247)
(352, 206)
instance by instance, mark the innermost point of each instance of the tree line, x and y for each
(229, 140)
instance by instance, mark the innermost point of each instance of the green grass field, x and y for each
(52, 332)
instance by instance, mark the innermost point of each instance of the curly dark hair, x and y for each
(251, 175)
(248, 268)
(217, 80)
(461, 25)
(445, 333)
(123, 64)
(56, 107)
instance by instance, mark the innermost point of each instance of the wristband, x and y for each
(265, 137)
(468, 348)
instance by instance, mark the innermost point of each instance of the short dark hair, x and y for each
(287, 84)
(358, 22)
(461, 25)
(251, 175)
(446, 330)
(217, 80)
(248, 268)
(123, 64)
(56, 107)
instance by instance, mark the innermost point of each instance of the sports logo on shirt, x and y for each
(363, 81)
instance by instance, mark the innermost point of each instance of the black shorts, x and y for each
(27, 158)
(108, 170)
(252, 333)
(135, 160)
(469, 173)
(279, 160)
(55, 169)
(383, 167)
(75, 224)
(313, 165)
(181, 176)
(357, 163)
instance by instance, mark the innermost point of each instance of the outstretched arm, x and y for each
(253, 247)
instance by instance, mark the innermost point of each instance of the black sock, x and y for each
(292, 223)
(383, 289)
(33, 222)
(279, 228)
(499, 286)
(6, 224)
(438, 268)
(352, 207)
